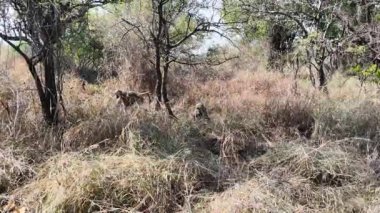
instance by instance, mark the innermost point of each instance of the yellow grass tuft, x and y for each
(13, 171)
(72, 182)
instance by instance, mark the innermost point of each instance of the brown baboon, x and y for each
(129, 98)
(200, 112)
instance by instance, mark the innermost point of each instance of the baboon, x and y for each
(129, 98)
(200, 112)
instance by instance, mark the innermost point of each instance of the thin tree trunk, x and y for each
(164, 91)
(297, 68)
(51, 96)
(157, 47)
(322, 79)
(166, 36)
(311, 76)
(45, 106)
(321, 73)
(159, 78)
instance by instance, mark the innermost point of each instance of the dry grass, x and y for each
(13, 171)
(353, 118)
(293, 194)
(267, 148)
(296, 177)
(111, 183)
(252, 196)
(326, 164)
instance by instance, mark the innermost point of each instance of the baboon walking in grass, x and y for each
(130, 98)
(200, 112)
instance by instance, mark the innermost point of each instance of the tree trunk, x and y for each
(296, 67)
(51, 96)
(159, 79)
(311, 76)
(322, 79)
(157, 46)
(45, 103)
(165, 93)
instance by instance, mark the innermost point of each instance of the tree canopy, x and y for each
(323, 33)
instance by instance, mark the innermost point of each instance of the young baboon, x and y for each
(129, 98)
(200, 112)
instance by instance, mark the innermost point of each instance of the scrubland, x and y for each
(270, 146)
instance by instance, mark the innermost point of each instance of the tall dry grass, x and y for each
(111, 183)
(266, 148)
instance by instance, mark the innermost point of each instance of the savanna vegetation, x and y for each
(291, 89)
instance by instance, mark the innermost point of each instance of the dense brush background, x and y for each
(273, 144)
